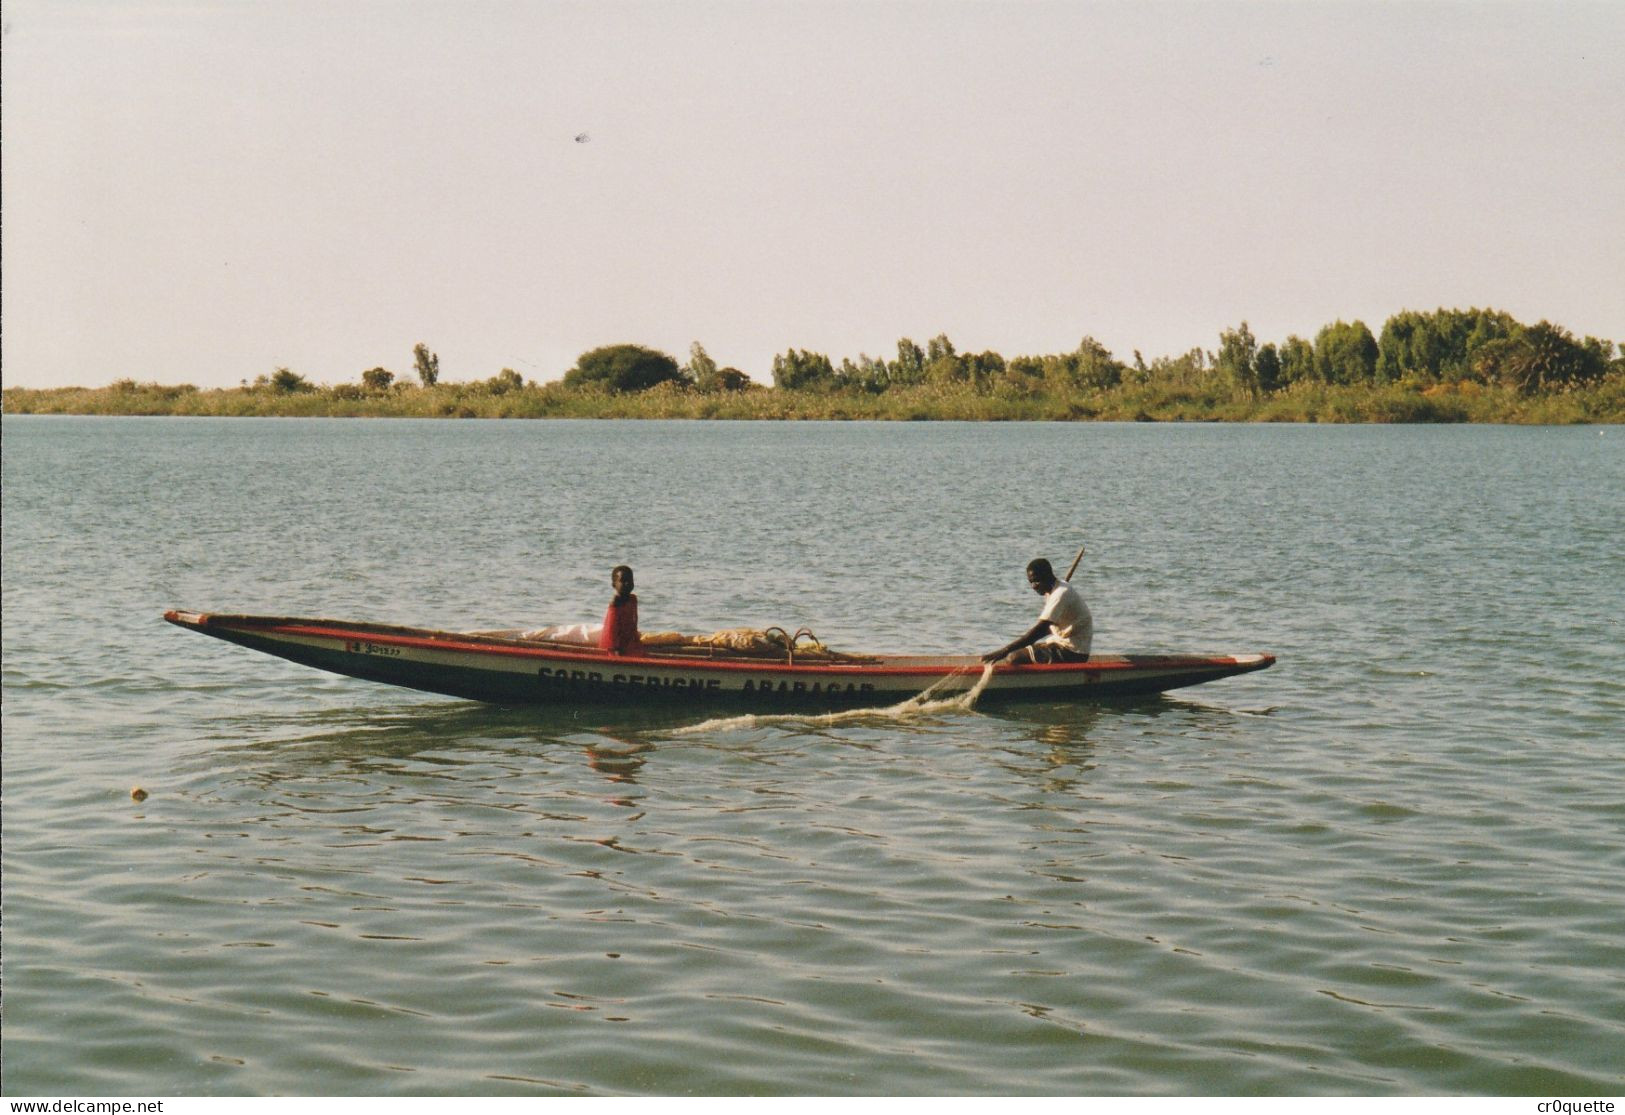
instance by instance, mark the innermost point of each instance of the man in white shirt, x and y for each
(1064, 630)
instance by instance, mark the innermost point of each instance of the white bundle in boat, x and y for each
(747, 640)
(581, 634)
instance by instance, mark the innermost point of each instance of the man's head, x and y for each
(621, 579)
(1041, 575)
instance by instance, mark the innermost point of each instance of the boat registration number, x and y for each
(372, 648)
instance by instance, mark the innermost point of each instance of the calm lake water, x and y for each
(1394, 863)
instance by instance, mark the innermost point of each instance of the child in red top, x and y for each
(621, 620)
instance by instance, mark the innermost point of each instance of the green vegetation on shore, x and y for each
(1448, 366)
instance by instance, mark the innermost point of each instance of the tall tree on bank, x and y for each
(983, 368)
(1437, 346)
(505, 381)
(1297, 359)
(1238, 358)
(1188, 370)
(622, 368)
(1268, 369)
(1093, 366)
(909, 367)
(942, 362)
(703, 373)
(1345, 353)
(1542, 357)
(286, 382)
(800, 370)
(700, 370)
(427, 364)
(868, 374)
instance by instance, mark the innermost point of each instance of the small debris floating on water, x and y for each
(138, 794)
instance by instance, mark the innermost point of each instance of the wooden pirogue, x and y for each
(504, 668)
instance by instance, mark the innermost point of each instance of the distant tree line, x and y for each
(1414, 349)
(1417, 349)
(1482, 346)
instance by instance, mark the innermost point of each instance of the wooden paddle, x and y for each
(1075, 562)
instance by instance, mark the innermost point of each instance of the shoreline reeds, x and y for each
(1305, 402)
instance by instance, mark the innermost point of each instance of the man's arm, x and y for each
(1035, 633)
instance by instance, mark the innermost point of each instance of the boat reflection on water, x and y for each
(438, 734)
(618, 743)
(617, 759)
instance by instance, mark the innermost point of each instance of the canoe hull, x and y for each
(510, 671)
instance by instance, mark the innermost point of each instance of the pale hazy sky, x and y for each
(203, 191)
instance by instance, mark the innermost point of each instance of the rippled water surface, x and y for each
(1394, 863)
